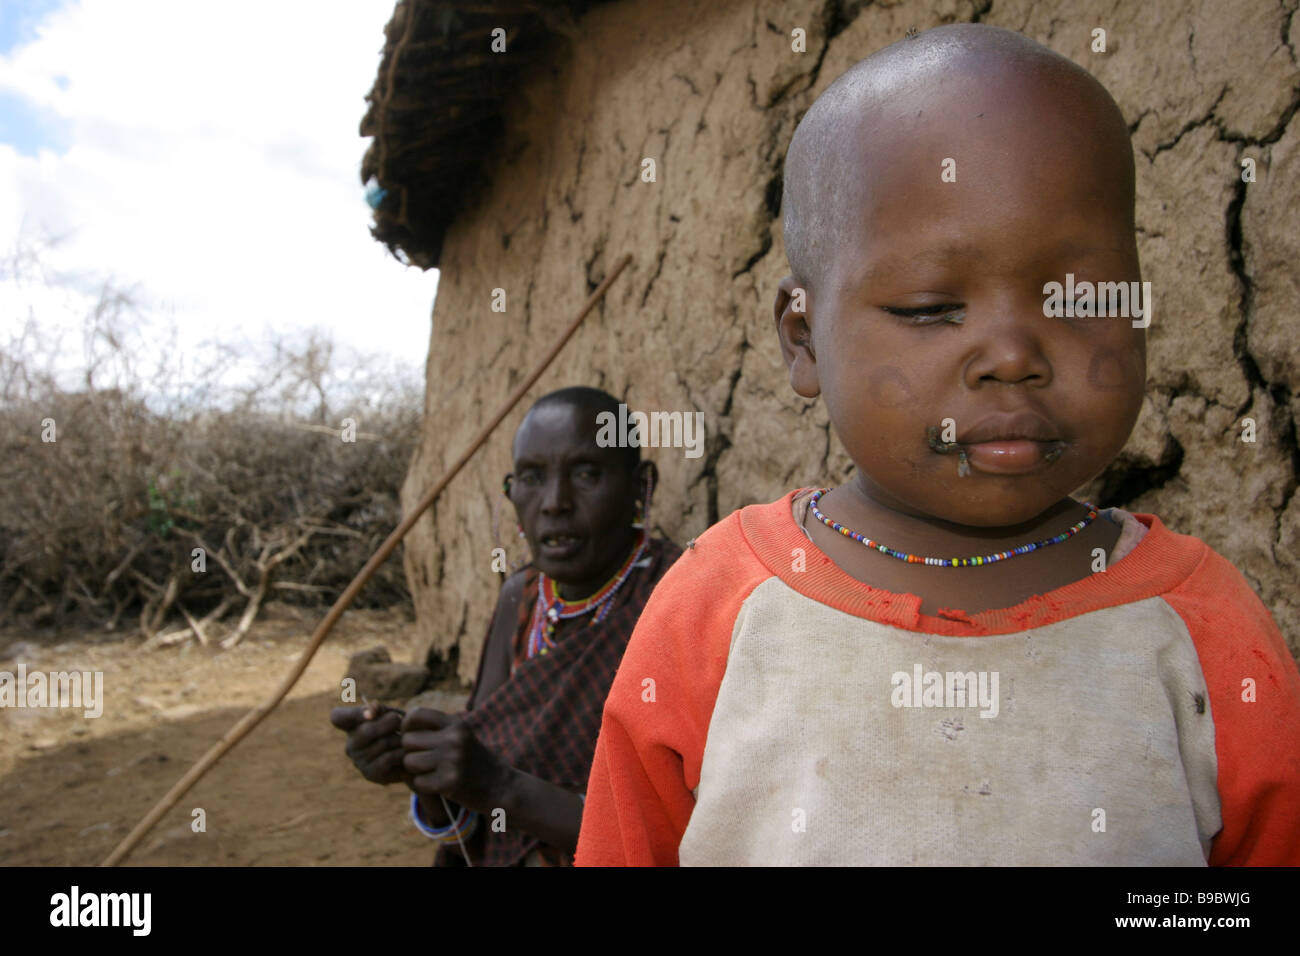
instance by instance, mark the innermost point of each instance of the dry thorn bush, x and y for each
(155, 457)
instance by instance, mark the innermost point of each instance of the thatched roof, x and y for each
(436, 108)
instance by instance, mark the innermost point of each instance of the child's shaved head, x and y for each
(854, 127)
(933, 196)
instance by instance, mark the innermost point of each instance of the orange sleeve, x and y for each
(656, 719)
(1254, 689)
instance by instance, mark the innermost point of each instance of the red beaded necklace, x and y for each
(551, 608)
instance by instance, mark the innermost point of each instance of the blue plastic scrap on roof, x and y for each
(375, 193)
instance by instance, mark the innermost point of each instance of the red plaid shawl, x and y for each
(544, 720)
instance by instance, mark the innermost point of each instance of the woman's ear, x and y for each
(793, 316)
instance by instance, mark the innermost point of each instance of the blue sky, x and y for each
(20, 18)
(22, 123)
(171, 149)
(28, 129)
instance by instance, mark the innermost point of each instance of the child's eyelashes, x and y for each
(929, 314)
(956, 314)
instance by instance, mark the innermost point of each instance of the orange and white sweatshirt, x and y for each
(773, 710)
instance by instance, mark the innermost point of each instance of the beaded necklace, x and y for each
(551, 608)
(950, 562)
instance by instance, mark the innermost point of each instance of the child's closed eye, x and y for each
(929, 314)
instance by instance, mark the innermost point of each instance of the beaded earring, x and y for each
(518, 563)
(642, 517)
(496, 510)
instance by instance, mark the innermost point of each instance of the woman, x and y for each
(502, 783)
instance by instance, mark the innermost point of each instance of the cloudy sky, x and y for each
(204, 153)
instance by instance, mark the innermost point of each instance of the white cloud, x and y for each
(213, 161)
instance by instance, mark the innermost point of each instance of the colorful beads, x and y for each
(972, 561)
(551, 608)
(454, 832)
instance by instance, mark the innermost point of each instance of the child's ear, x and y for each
(794, 331)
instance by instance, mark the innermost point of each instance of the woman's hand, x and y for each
(374, 741)
(444, 758)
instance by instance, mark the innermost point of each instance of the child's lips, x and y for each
(1014, 456)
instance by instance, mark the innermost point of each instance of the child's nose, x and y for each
(1010, 346)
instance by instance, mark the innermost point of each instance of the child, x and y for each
(1087, 688)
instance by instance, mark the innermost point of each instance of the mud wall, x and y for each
(712, 92)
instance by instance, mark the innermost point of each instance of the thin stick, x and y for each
(259, 713)
(447, 810)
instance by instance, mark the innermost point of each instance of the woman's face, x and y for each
(575, 500)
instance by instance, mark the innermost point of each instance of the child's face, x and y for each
(1038, 193)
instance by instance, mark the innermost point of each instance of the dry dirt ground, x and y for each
(71, 787)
